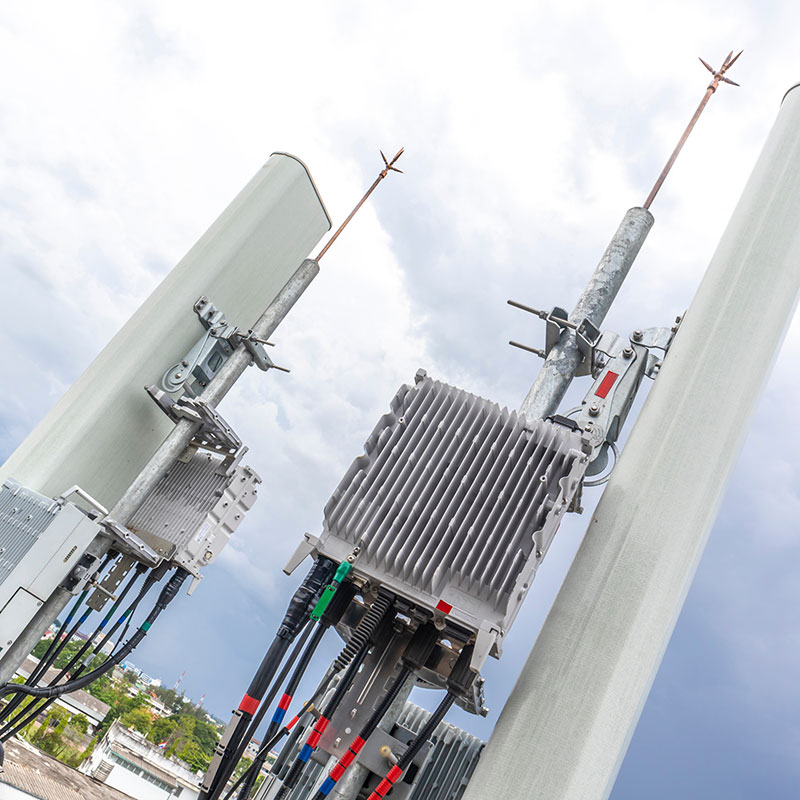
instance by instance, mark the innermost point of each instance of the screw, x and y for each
(627, 352)
(594, 409)
(538, 554)
(638, 336)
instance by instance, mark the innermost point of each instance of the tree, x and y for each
(138, 719)
(241, 768)
(194, 756)
(162, 729)
(206, 736)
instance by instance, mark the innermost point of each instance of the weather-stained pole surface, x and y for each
(567, 724)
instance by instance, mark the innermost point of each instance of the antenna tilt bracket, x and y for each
(212, 350)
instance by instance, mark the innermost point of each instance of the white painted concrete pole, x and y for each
(565, 729)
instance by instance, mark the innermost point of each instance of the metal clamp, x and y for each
(557, 321)
(213, 349)
(214, 433)
(127, 542)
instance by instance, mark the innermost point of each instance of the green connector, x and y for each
(330, 590)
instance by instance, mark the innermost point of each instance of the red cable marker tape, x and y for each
(285, 702)
(249, 704)
(605, 385)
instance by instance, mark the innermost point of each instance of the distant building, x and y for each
(157, 707)
(30, 773)
(126, 761)
(78, 702)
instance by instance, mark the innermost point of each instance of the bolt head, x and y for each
(594, 409)
(627, 352)
(638, 336)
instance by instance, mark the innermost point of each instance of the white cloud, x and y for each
(530, 129)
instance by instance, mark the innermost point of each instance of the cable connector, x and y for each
(420, 647)
(330, 590)
(305, 598)
(462, 677)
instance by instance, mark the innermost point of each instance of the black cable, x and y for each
(415, 656)
(165, 598)
(43, 665)
(366, 731)
(459, 684)
(294, 620)
(330, 707)
(49, 657)
(405, 760)
(59, 641)
(277, 718)
(29, 712)
(286, 729)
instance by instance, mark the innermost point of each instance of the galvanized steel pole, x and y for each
(561, 363)
(171, 448)
(567, 724)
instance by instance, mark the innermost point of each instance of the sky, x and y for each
(529, 129)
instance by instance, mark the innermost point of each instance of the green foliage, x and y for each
(194, 756)
(241, 768)
(187, 733)
(138, 719)
(188, 738)
(162, 729)
(69, 651)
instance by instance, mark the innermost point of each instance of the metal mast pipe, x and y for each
(559, 367)
(567, 724)
(173, 446)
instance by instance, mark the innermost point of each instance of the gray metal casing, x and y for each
(41, 540)
(194, 509)
(454, 503)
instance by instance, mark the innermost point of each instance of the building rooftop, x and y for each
(42, 776)
(86, 702)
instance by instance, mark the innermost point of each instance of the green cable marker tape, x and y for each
(145, 626)
(330, 590)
